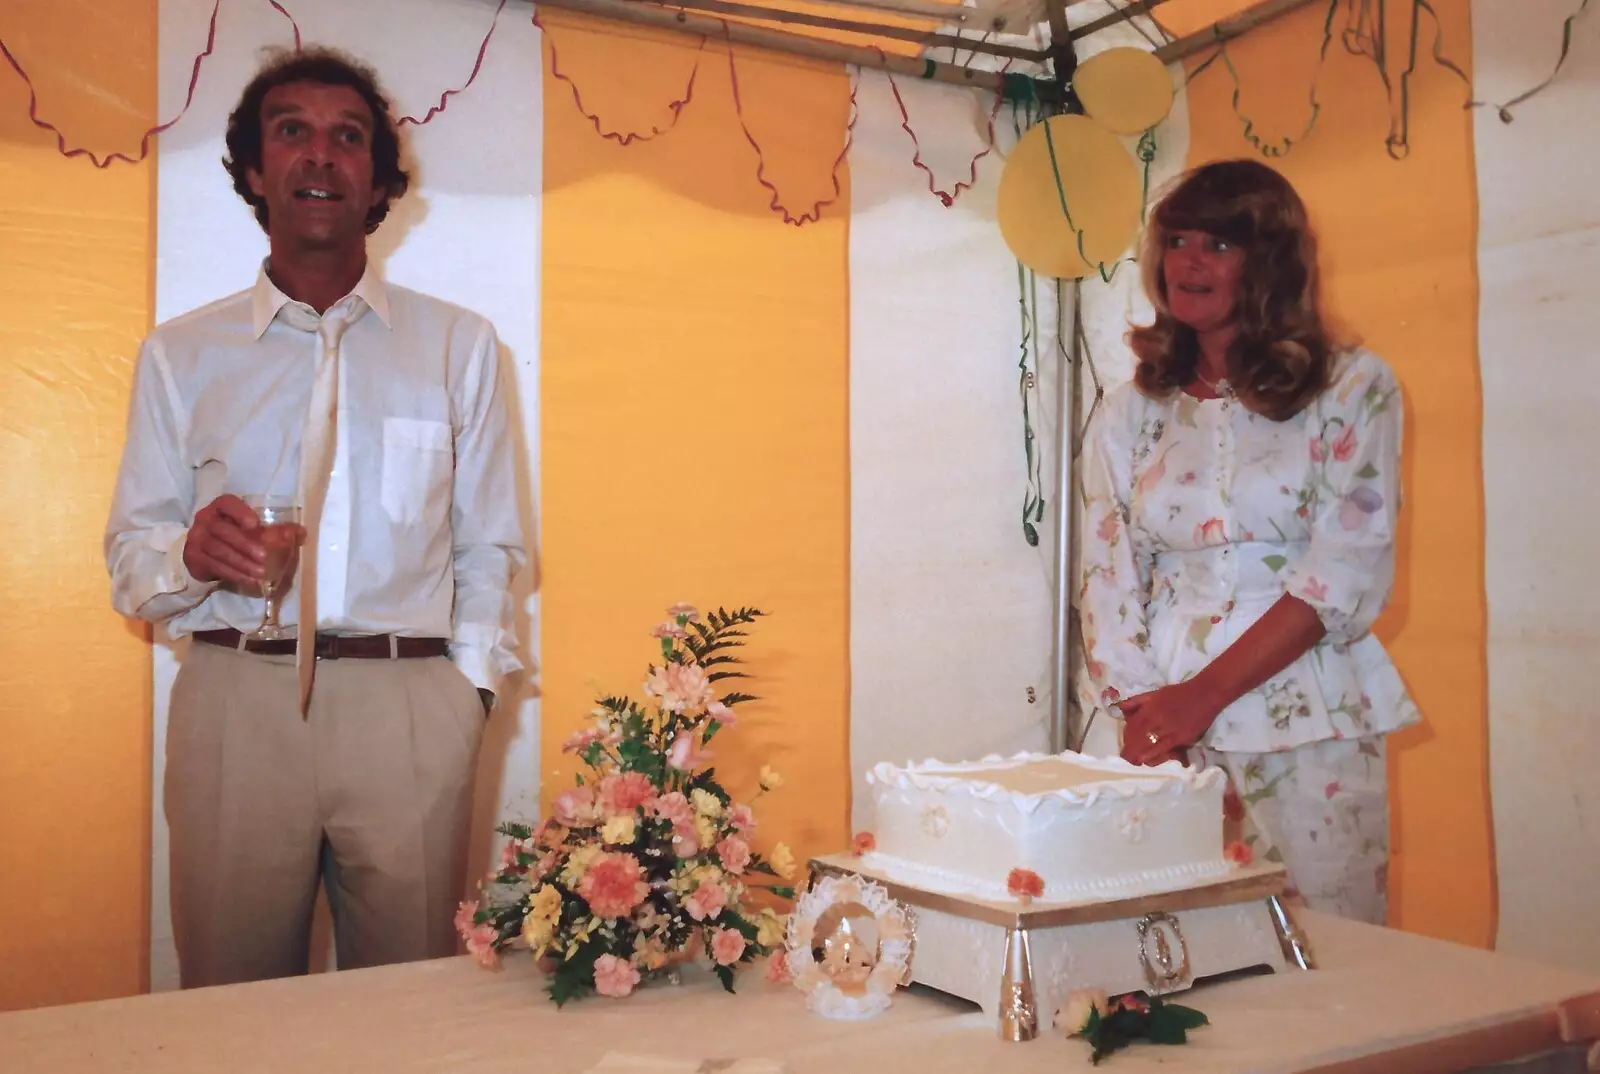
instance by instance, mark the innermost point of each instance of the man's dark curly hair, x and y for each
(325, 67)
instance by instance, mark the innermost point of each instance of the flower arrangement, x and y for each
(647, 857)
(1110, 1025)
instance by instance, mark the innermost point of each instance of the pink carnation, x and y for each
(464, 915)
(734, 854)
(576, 808)
(613, 886)
(726, 946)
(579, 741)
(480, 945)
(681, 687)
(673, 808)
(614, 977)
(624, 792)
(743, 819)
(706, 902)
(685, 753)
(778, 967)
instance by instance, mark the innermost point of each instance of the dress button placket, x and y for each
(1227, 456)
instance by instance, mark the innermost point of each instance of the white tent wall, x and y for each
(1109, 306)
(950, 607)
(468, 232)
(1538, 259)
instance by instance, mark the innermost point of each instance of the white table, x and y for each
(1381, 1001)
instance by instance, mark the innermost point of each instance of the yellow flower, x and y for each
(706, 804)
(770, 927)
(770, 780)
(578, 864)
(782, 861)
(618, 830)
(705, 829)
(538, 932)
(707, 874)
(651, 952)
(545, 903)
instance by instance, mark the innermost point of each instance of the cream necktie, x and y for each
(316, 461)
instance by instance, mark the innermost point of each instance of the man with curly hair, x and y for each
(348, 761)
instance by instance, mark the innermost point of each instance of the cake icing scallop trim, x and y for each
(1131, 781)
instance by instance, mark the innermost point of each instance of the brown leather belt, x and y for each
(335, 646)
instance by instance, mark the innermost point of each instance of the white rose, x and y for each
(1073, 1017)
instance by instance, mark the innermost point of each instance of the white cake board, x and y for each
(1018, 962)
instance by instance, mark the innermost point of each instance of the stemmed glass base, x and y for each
(281, 533)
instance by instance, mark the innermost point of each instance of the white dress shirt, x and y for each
(420, 533)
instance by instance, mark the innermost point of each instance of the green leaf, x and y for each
(1030, 533)
(738, 699)
(636, 756)
(1187, 1017)
(782, 892)
(740, 925)
(725, 975)
(1165, 1027)
(718, 676)
(574, 977)
(1367, 472)
(1275, 562)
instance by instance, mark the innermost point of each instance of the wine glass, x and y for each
(281, 534)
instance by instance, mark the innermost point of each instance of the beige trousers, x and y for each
(371, 795)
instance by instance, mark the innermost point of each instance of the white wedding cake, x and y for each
(1090, 827)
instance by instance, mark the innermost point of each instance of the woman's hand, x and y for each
(1160, 725)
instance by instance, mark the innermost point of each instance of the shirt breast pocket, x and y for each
(417, 459)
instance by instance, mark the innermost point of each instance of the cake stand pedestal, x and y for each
(1018, 962)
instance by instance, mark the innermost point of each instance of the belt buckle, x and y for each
(326, 647)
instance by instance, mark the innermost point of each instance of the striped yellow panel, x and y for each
(75, 298)
(694, 398)
(1398, 244)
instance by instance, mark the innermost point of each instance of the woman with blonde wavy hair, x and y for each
(1241, 498)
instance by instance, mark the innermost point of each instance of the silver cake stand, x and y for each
(1018, 961)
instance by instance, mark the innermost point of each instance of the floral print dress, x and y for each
(1198, 516)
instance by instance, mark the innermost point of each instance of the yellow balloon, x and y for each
(1102, 190)
(1126, 90)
